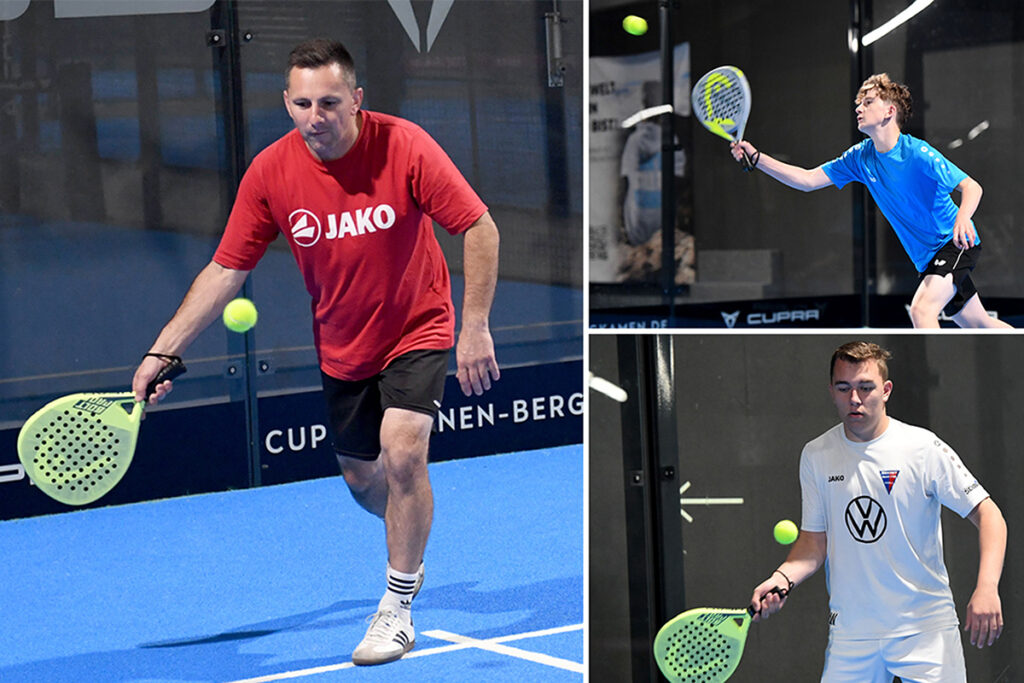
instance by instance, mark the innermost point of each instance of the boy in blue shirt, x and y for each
(911, 182)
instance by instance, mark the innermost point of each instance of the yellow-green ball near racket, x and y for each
(240, 315)
(786, 532)
(634, 25)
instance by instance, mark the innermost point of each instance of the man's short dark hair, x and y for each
(317, 52)
(858, 352)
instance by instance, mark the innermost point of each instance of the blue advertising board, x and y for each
(198, 449)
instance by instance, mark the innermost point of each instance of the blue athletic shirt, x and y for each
(911, 185)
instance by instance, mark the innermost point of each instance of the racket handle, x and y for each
(174, 367)
(782, 593)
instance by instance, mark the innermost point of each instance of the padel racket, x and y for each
(703, 645)
(721, 101)
(78, 447)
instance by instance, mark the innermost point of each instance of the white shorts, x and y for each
(930, 657)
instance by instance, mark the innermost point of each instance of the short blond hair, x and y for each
(890, 91)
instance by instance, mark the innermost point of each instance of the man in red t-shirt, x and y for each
(355, 193)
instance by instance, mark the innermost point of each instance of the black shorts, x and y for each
(355, 410)
(952, 259)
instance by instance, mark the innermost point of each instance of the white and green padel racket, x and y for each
(703, 645)
(78, 447)
(721, 102)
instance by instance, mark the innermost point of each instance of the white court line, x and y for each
(491, 645)
(459, 643)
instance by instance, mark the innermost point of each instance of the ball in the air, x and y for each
(786, 532)
(239, 315)
(634, 25)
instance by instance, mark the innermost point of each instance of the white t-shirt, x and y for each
(879, 504)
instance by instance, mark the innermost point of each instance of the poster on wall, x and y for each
(625, 169)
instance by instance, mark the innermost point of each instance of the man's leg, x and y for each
(366, 482)
(404, 440)
(973, 314)
(402, 482)
(931, 297)
(396, 486)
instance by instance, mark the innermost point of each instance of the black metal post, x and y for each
(863, 216)
(653, 524)
(224, 41)
(668, 158)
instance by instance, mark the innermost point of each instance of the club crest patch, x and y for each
(889, 478)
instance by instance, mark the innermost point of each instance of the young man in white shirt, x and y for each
(872, 489)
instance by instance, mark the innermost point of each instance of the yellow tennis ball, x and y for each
(239, 315)
(786, 532)
(634, 25)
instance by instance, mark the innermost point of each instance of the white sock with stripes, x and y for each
(401, 589)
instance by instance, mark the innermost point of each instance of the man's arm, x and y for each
(798, 178)
(964, 235)
(805, 557)
(474, 353)
(210, 292)
(984, 611)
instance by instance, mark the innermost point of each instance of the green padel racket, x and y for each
(77, 448)
(703, 645)
(721, 102)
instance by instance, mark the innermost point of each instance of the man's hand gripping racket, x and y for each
(721, 102)
(78, 447)
(704, 645)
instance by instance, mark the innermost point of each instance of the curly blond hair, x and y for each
(890, 91)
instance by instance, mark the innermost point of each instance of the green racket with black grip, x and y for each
(78, 447)
(703, 645)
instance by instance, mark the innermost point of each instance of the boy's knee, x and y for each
(922, 313)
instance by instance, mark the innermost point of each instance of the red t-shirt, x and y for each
(361, 232)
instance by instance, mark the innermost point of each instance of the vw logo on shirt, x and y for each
(865, 519)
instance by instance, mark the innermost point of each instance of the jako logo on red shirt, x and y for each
(306, 227)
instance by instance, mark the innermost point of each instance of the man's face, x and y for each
(872, 111)
(860, 395)
(325, 109)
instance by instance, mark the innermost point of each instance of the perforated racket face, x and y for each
(721, 101)
(78, 447)
(702, 645)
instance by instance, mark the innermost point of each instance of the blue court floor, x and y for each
(276, 583)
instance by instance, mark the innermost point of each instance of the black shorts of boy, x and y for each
(960, 262)
(355, 410)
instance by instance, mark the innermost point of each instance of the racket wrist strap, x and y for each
(783, 575)
(164, 356)
(754, 158)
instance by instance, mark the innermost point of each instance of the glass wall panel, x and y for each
(964, 64)
(113, 191)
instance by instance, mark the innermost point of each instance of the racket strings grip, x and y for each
(175, 367)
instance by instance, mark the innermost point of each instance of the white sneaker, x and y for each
(389, 637)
